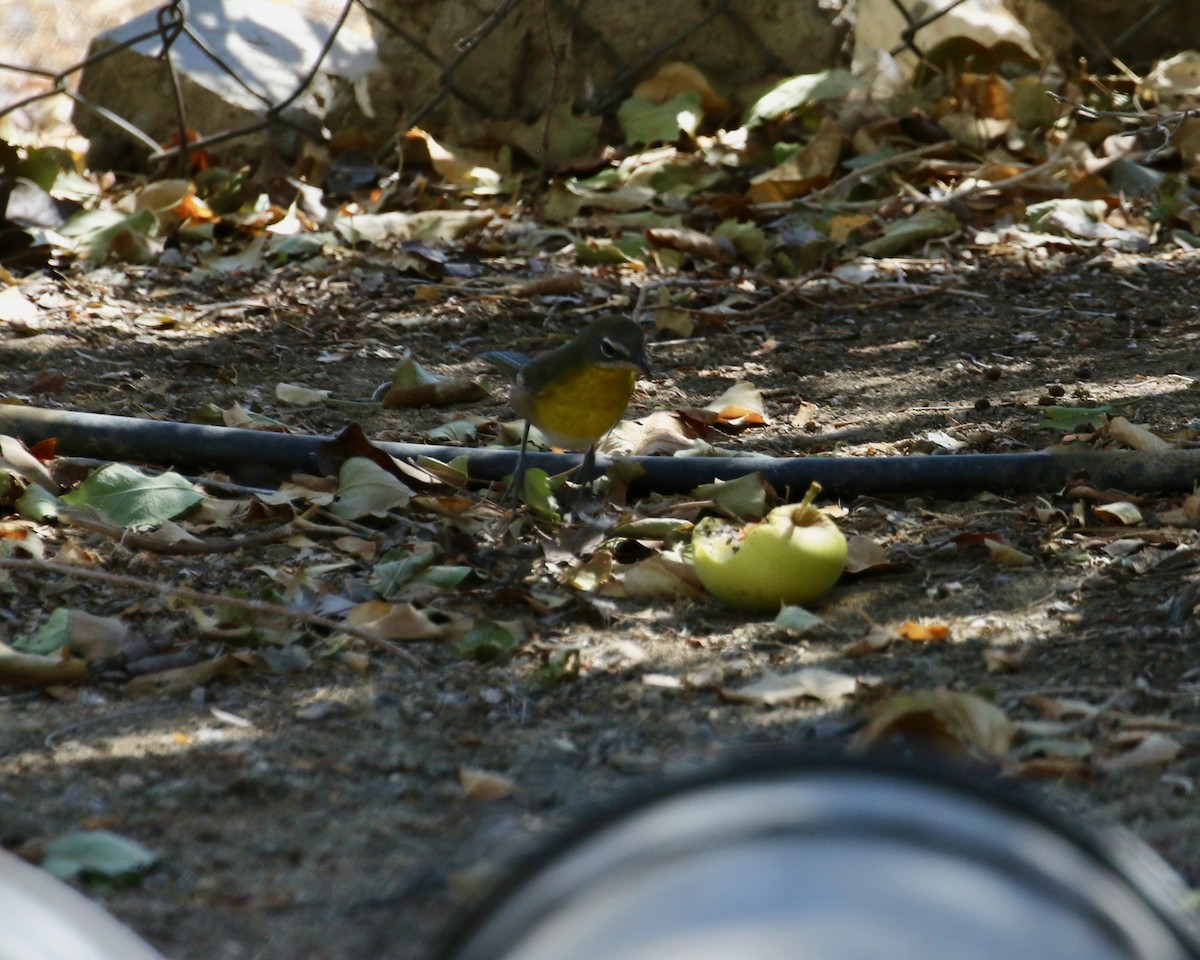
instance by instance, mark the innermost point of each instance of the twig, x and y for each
(140, 541)
(853, 178)
(964, 192)
(261, 607)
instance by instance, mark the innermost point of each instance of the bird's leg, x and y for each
(516, 486)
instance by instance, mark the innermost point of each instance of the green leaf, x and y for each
(745, 497)
(365, 488)
(927, 224)
(53, 635)
(398, 567)
(443, 576)
(38, 503)
(96, 852)
(645, 122)
(129, 498)
(538, 495)
(487, 641)
(793, 93)
(1069, 418)
(797, 621)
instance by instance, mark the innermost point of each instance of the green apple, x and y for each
(792, 556)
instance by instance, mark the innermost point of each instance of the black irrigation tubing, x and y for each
(187, 445)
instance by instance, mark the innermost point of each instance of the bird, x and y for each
(576, 393)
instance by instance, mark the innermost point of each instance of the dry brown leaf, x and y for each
(663, 433)
(182, 680)
(19, 669)
(1048, 768)
(1006, 555)
(863, 553)
(658, 578)
(484, 786)
(955, 721)
(807, 169)
(440, 394)
(805, 414)
(675, 78)
(393, 621)
(741, 404)
(692, 242)
(1120, 511)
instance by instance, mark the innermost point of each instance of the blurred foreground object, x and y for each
(838, 859)
(42, 918)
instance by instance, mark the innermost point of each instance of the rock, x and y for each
(269, 46)
(602, 51)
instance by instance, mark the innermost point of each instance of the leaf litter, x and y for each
(967, 273)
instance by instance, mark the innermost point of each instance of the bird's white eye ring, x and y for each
(608, 348)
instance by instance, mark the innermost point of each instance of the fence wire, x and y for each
(171, 23)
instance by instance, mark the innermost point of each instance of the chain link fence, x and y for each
(723, 17)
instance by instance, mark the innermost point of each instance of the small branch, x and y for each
(261, 607)
(141, 541)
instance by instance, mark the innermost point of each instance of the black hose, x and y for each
(186, 445)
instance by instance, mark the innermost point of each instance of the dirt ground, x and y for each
(332, 822)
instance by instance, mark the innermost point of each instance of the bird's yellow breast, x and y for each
(575, 411)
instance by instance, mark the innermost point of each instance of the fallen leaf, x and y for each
(182, 680)
(300, 396)
(1155, 750)
(1136, 437)
(96, 852)
(876, 640)
(1119, 511)
(810, 682)
(1005, 554)
(960, 722)
(923, 632)
(675, 78)
(863, 553)
(484, 786)
(367, 489)
(393, 621)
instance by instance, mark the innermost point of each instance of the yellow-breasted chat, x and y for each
(576, 393)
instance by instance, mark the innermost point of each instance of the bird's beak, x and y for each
(643, 364)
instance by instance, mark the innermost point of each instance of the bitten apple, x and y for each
(792, 556)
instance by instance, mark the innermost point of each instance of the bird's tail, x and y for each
(510, 361)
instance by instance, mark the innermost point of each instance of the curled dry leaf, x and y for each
(740, 405)
(19, 669)
(1135, 437)
(1006, 555)
(876, 640)
(675, 78)
(440, 394)
(958, 722)
(1155, 750)
(182, 680)
(393, 621)
(811, 682)
(1120, 511)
